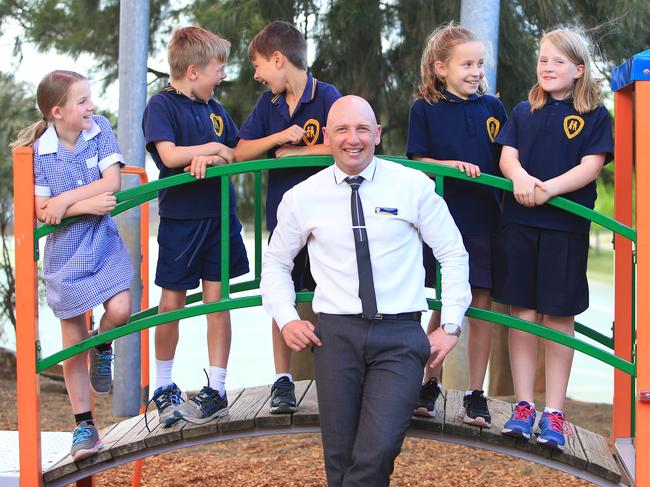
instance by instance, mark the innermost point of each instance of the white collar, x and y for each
(49, 141)
(368, 173)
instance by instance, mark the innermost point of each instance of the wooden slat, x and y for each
(133, 440)
(211, 426)
(265, 418)
(599, 458)
(243, 412)
(454, 412)
(573, 454)
(307, 408)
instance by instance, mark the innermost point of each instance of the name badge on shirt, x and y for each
(383, 210)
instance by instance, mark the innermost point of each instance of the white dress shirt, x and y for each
(401, 209)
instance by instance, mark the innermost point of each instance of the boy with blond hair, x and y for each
(186, 129)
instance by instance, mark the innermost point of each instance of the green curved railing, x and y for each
(135, 196)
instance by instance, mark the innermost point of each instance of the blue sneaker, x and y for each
(85, 441)
(167, 400)
(207, 404)
(552, 427)
(521, 422)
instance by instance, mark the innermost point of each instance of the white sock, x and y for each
(164, 372)
(552, 410)
(217, 378)
(284, 374)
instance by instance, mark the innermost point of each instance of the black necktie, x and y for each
(366, 283)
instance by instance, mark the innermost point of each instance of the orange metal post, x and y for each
(642, 122)
(144, 304)
(623, 132)
(27, 388)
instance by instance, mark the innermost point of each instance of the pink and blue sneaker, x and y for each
(520, 424)
(552, 426)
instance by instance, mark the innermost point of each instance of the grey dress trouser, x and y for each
(368, 375)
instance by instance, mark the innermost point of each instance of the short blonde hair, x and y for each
(194, 45)
(440, 47)
(587, 91)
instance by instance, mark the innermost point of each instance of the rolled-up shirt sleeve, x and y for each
(276, 286)
(439, 231)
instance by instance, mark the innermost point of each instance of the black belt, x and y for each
(412, 316)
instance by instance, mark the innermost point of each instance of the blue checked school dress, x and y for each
(86, 263)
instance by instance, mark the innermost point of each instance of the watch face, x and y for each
(451, 328)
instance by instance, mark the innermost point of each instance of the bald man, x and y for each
(363, 220)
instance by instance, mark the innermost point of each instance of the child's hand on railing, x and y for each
(53, 210)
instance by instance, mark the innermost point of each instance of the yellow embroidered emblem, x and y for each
(573, 125)
(493, 126)
(217, 124)
(312, 131)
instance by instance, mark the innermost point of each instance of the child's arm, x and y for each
(523, 184)
(53, 209)
(288, 150)
(470, 169)
(578, 177)
(247, 150)
(176, 156)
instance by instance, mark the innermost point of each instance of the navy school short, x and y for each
(541, 269)
(479, 248)
(301, 273)
(190, 251)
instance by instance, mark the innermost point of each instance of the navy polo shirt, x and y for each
(172, 116)
(271, 115)
(462, 130)
(551, 141)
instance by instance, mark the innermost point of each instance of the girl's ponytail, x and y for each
(27, 136)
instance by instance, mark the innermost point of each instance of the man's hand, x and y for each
(441, 344)
(291, 135)
(299, 334)
(288, 150)
(54, 209)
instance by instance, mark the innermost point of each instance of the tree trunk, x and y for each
(499, 368)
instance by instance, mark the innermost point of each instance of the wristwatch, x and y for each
(451, 329)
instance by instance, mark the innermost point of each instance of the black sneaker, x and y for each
(426, 405)
(476, 410)
(283, 396)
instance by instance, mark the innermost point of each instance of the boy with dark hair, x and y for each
(286, 121)
(186, 129)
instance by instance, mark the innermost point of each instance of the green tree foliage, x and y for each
(18, 107)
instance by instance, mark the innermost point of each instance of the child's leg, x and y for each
(479, 341)
(167, 334)
(281, 351)
(523, 356)
(75, 369)
(558, 362)
(219, 333)
(117, 311)
(429, 373)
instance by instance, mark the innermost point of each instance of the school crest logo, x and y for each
(573, 125)
(493, 126)
(312, 131)
(217, 124)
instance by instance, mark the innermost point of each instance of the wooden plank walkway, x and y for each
(587, 455)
